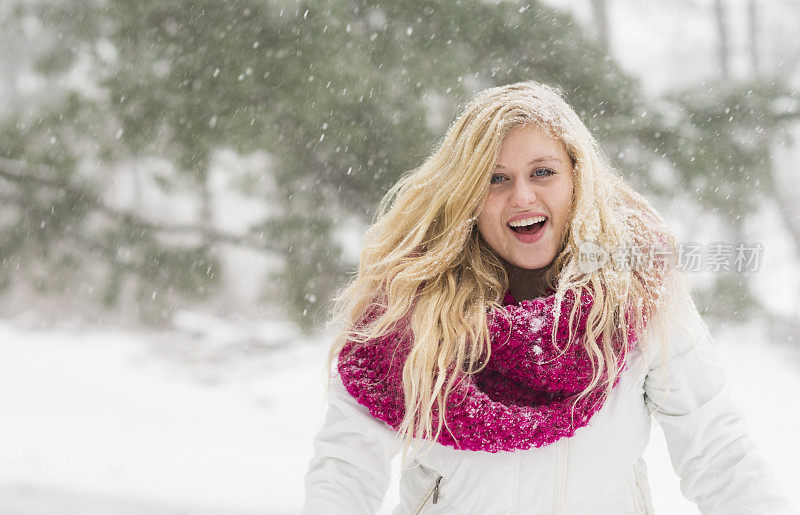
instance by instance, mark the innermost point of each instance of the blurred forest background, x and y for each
(227, 156)
(184, 185)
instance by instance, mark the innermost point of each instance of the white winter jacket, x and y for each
(597, 471)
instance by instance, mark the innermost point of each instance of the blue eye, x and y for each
(546, 172)
(496, 179)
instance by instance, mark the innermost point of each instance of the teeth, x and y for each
(527, 221)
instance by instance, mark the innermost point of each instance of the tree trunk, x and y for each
(752, 25)
(784, 197)
(601, 22)
(723, 46)
(138, 195)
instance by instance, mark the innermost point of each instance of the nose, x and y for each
(523, 194)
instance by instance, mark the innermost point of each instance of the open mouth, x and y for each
(528, 226)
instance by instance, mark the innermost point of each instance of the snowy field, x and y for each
(129, 423)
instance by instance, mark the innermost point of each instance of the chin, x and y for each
(529, 264)
(532, 267)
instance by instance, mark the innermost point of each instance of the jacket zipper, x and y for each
(561, 477)
(515, 482)
(433, 492)
(641, 505)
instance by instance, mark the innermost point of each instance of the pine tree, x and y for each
(343, 96)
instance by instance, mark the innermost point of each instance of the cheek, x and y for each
(565, 209)
(489, 217)
(565, 201)
(568, 202)
(484, 227)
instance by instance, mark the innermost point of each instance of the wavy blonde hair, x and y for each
(425, 269)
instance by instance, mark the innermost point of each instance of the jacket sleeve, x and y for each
(720, 468)
(350, 471)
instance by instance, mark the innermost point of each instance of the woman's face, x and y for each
(530, 194)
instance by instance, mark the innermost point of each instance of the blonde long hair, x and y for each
(425, 269)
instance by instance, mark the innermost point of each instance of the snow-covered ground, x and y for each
(100, 421)
(96, 421)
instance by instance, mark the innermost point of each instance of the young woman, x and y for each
(519, 375)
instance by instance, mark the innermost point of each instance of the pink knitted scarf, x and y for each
(524, 396)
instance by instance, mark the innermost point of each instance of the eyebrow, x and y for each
(537, 160)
